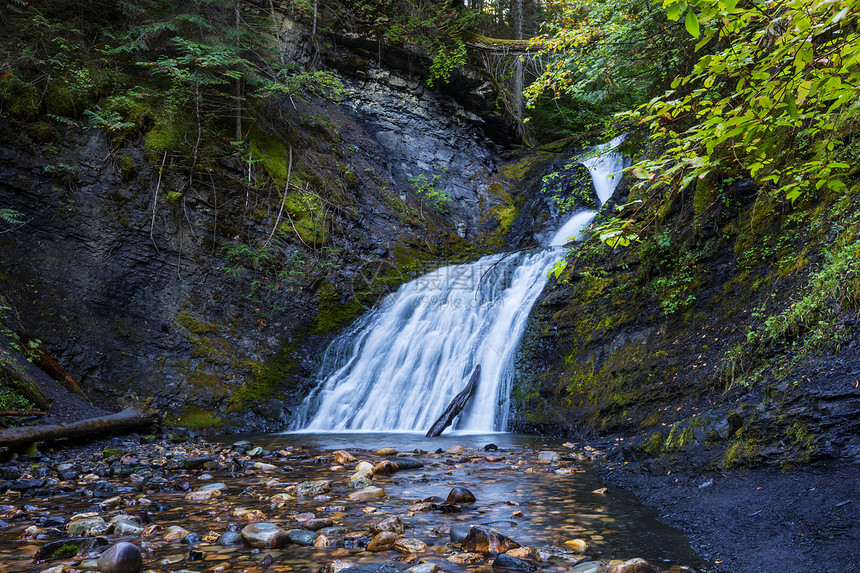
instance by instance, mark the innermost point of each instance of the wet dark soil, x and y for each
(760, 520)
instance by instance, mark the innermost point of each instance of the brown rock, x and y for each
(409, 545)
(386, 452)
(465, 558)
(204, 495)
(174, 532)
(382, 541)
(637, 565)
(393, 524)
(317, 523)
(521, 552)
(460, 495)
(487, 542)
(385, 468)
(343, 457)
(367, 493)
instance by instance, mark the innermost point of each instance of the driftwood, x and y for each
(456, 405)
(129, 418)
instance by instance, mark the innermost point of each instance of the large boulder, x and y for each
(121, 558)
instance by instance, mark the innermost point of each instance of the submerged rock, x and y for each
(504, 561)
(409, 545)
(458, 533)
(367, 493)
(382, 541)
(637, 565)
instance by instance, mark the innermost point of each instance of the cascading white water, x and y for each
(401, 364)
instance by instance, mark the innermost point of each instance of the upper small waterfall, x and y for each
(400, 365)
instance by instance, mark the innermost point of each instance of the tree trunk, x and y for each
(456, 405)
(518, 69)
(128, 419)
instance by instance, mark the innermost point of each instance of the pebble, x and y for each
(386, 452)
(121, 558)
(456, 450)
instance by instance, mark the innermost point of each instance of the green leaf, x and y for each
(691, 22)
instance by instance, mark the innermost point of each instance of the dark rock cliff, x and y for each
(131, 287)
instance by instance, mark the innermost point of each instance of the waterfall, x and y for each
(398, 367)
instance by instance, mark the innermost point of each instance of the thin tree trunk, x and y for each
(238, 91)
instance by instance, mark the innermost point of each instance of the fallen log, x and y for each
(52, 368)
(128, 419)
(456, 406)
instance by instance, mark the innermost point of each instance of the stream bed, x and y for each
(540, 494)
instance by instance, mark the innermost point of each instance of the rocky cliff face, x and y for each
(724, 338)
(145, 296)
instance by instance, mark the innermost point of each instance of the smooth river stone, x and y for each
(81, 526)
(359, 481)
(578, 545)
(504, 561)
(121, 558)
(386, 452)
(460, 495)
(315, 487)
(548, 456)
(343, 457)
(302, 537)
(458, 533)
(364, 468)
(382, 541)
(216, 485)
(385, 468)
(637, 565)
(264, 535)
(174, 532)
(488, 542)
(409, 545)
(367, 493)
(423, 568)
(317, 523)
(589, 567)
(127, 527)
(203, 495)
